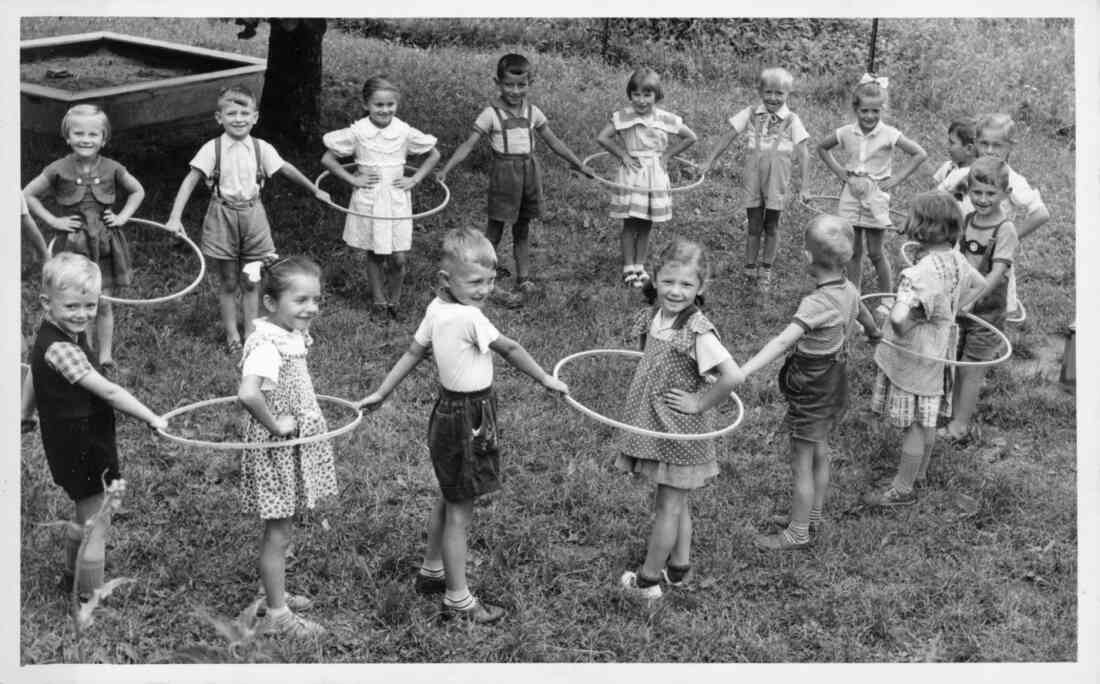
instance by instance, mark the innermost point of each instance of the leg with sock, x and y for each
(457, 600)
(797, 533)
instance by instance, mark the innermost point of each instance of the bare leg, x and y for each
(494, 230)
(681, 551)
(756, 229)
(521, 248)
(433, 554)
(105, 330)
(455, 525)
(273, 548)
(803, 471)
(250, 305)
(912, 453)
(376, 279)
(670, 503)
(968, 385)
(89, 568)
(771, 236)
(821, 475)
(641, 240)
(855, 266)
(879, 260)
(228, 278)
(626, 240)
(395, 276)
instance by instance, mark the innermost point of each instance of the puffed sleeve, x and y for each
(341, 143)
(419, 142)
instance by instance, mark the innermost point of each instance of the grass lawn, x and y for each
(941, 581)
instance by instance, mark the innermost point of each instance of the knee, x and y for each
(277, 534)
(230, 283)
(457, 515)
(397, 260)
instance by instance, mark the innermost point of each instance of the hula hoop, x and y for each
(236, 446)
(1004, 338)
(1020, 318)
(166, 298)
(1022, 315)
(634, 188)
(897, 213)
(686, 437)
(410, 217)
(905, 255)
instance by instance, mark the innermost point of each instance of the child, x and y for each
(910, 391)
(814, 378)
(277, 392)
(776, 135)
(380, 143)
(867, 176)
(638, 136)
(685, 373)
(76, 406)
(462, 431)
(85, 185)
(951, 176)
(515, 184)
(989, 241)
(235, 230)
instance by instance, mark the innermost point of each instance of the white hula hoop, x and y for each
(1022, 315)
(905, 255)
(166, 298)
(410, 217)
(897, 213)
(632, 188)
(1019, 318)
(686, 437)
(237, 446)
(1004, 338)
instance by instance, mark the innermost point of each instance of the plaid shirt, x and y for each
(69, 360)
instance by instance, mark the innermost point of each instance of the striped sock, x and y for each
(797, 534)
(459, 600)
(434, 573)
(815, 516)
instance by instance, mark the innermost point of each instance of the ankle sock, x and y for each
(434, 573)
(816, 517)
(676, 573)
(459, 600)
(278, 612)
(89, 576)
(796, 533)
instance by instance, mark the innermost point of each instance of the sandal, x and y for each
(630, 276)
(643, 277)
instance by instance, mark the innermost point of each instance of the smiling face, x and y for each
(643, 101)
(469, 283)
(678, 285)
(382, 107)
(236, 118)
(985, 197)
(513, 88)
(774, 95)
(994, 142)
(869, 112)
(72, 308)
(297, 305)
(86, 136)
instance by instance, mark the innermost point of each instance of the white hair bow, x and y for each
(882, 81)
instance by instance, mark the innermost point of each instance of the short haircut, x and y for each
(965, 129)
(70, 270)
(275, 278)
(462, 246)
(998, 122)
(236, 94)
(90, 111)
(990, 171)
(934, 218)
(868, 90)
(830, 240)
(514, 64)
(375, 84)
(686, 253)
(645, 79)
(778, 76)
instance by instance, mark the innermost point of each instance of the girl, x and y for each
(867, 176)
(638, 136)
(85, 185)
(776, 134)
(672, 392)
(814, 378)
(380, 142)
(910, 391)
(277, 392)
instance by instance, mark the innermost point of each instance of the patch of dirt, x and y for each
(99, 69)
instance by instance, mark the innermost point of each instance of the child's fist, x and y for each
(555, 385)
(371, 401)
(158, 423)
(285, 426)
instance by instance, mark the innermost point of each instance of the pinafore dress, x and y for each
(275, 482)
(76, 193)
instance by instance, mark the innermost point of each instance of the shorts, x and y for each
(236, 231)
(979, 343)
(81, 453)
(816, 388)
(901, 409)
(515, 188)
(462, 441)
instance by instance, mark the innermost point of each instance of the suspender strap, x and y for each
(215, 177)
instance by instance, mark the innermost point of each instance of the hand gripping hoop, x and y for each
(1021, 314)
(896, 213)
(411, 217)
(165, 298)
(632, 188)
(633, 428)
(236, 446)
(1004, 338)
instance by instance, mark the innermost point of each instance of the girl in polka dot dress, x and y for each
(277, 392)
(683, 376)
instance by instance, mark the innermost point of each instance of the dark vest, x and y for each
(57, 399)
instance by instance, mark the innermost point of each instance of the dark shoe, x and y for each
(890, 497)
(479, 613)
(779, 542)
(427, 586)
(679, 582)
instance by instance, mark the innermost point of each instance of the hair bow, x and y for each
(882, 81)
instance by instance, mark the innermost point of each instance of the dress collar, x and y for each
(366, 128)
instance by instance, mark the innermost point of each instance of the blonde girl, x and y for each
(380, 143)
(868, 175)
(639, 137)
(910, 390)
(683, 376)
(86, 185)
(277, 392)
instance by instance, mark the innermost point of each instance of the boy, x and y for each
(462, 431)
(989, 241)
(814, 377)
(76, 406)
(961, 149)
(515, 185)
(235, 230)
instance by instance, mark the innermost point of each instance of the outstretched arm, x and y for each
(182, 196)
(917, 155)
(1033, 221)
(403, 367)
(561, 149)
(723, 143)
(292, 172)
(515, 354)
(776, 347)
(119, 398)
(460, 155)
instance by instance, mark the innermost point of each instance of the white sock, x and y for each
(461, 599)
(278, 612)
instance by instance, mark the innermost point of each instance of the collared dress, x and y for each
(384, 150)
(645, 138)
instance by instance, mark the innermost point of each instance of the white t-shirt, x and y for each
(266, 358)
(459, 337)
(709, 350)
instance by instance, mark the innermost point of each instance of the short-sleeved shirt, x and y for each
(266, 358)
(1022, 197)
(237, 179)
(374, 146)
(67, 358)
(1005, 248)
(950, 176)
(792, 134)
(459, 337)
(488, 123)
(826, 317)
(708, 352)
(871, 153)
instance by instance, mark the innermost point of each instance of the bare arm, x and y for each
(403, 367)
(292, 172)
(917, 155)
(133, 201)
(561, 149)
(993, 279)
(31, 232)
(119, 398)
(609, 139)
(803, 152)
(182, 196)
(776, 347)
(824, 150)
(253, 399)
(972, 290)
(1033, 221)
(409, 182)
(685, 139)
(723, 143)
(460, 154)
(728, 376)
(26, 397)
(517, 356)
(40, 186)
(867, 320)
(902, 319)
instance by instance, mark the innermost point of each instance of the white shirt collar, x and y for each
(876, 129)
(228, 140)
(783, 112)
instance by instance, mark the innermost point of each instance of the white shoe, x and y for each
(629, 583)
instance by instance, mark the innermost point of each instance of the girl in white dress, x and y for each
(380, 143)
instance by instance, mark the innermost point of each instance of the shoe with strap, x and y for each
(478, 613)
(289, 624)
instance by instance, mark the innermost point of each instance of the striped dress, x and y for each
(645, 138)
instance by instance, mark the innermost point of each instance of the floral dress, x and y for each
(384, 150)
(645, 139)
(277, 481)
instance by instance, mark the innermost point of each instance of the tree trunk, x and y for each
(290, 110)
